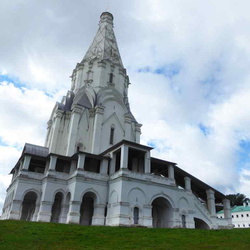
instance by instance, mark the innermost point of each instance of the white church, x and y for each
(93, 170)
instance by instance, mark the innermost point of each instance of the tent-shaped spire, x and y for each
(104, 45)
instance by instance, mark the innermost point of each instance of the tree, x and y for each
(237, 199)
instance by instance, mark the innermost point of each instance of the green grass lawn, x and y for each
(34, 235)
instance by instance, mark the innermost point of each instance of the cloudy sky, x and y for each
(189, 68)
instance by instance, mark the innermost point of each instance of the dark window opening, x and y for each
(37, 166)
(136, 215)
(92, 165)
(63, 166)
(242, 215)
(159, 170)
(111, 77)
(136, 160)
(111, 138)
(183, 220)
(118, 161)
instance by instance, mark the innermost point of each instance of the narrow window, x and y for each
(183, 220)
(111, 76)
(111, 138)
(136, 215)
(232, 216)
(237, 215)
(242, 215)
(247, 215)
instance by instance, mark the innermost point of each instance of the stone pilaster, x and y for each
(137, 132)
(97, 129)
(104, 166)
(73, 129)
(52, 164)
(211, 202)
(81, 161)
(79, 76)
(74, 212)
(187, 183)
(112, 164)
(98, 216)
(44, 214)
(171, 171)
(26, 162)
(55, 132)
(127, 126)
(15, 210)
(124, 156)
(227, 210)
(147, 162)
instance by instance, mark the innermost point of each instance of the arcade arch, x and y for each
(56, 207)
(29, 206)
(162, 213)
(87, 208)
(200, 224)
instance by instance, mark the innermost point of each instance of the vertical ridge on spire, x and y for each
(104, 45)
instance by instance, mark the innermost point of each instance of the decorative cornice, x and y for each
(59, 113)
(76, 109)
(101, 64)
(99, 109)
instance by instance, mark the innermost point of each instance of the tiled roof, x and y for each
(237, 209)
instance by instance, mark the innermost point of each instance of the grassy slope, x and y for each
(32, 235)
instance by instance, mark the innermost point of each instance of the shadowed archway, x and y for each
(200, 224)
(29, 206)
(162, 213)
(56, 208)
(87, 209)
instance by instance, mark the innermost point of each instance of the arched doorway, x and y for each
(29, 206)
(136, 215)
(162, 213)
(56, 208)
(200, 224)
(87, 209)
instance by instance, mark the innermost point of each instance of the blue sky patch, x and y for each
(168, 71)
(152, 144)
(11, 79)
(244, 152)
(2, 143)
(204, 129)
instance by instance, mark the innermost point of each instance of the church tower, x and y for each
(95, 113)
